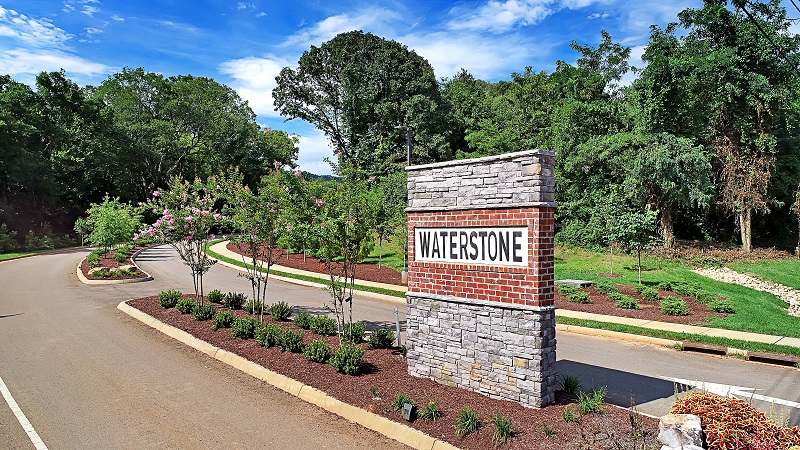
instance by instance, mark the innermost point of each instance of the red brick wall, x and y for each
(531, 286)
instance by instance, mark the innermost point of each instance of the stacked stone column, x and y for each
(485, 327)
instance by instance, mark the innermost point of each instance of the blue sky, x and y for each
(245, 44)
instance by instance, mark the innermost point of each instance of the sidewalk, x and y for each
(221, 249)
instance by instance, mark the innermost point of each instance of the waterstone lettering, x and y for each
(506, 246)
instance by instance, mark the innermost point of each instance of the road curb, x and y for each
(617, 335)
(373, 295)
(85, 280)
(389, 428)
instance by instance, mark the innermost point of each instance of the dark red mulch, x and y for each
(107, 261)
(699, 313)
(703, 254)
(386, 371)
(369, 272)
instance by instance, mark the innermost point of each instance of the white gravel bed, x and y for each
(726, 275)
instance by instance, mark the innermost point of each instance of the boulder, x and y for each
(680, 432)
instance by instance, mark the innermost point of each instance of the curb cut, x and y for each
(85, 280)
(389, 428)
(373, 295)
(617, 335)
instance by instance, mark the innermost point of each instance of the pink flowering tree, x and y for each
(258, 218)
(343, 227)
(186, 215)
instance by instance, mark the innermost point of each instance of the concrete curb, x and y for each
(617, 335)
(85, 280)
(373, 295)
(391, 429)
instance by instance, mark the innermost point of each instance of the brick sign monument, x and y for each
(480, 276)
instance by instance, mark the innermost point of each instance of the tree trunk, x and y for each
(612, 258)
(667, 228)
(745, 221)
(639, 265)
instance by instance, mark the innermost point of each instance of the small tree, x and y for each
(111, 223)
(258, 218)
(343, 227)
(636, 230)
(796, 211)
(186, 216)
(82, 228)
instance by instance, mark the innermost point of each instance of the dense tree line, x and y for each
(64, 147)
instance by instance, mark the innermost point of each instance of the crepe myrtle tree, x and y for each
(343, 227)
(186, 215)
(258, 218)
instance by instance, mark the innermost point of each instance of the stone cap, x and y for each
(512, 180)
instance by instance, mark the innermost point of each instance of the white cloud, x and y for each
(598, 16)
(500, 16)
(254, 80)
(636, 61)
(25, 62)
(117, 18)
(313, 148)
(260, 15)
(376, 20)
(89, 10)
(245, 5)
(30, 31)
(68, 8)
(91, 31)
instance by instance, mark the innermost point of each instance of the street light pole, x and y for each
(408, 141)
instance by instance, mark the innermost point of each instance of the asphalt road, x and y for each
(88, 376)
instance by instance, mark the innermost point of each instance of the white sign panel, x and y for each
(500, 246)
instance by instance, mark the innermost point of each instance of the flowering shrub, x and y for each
(731, 423)
(186, 216)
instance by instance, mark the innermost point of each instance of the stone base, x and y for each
(500, 350)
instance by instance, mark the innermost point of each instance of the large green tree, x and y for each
(357, 88)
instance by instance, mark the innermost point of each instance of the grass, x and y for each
(785, 272)
(671, 335)
(5, 256)
(756, 312)
(392, 256)
(320, 279)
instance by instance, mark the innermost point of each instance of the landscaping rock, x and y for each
(680, 432)
(726, 275)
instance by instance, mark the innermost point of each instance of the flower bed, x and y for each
(385, 376)
(109, 268)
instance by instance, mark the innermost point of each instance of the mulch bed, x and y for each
(704, 254)
(369, 272)
(108, 261)
(386, 371)
(699, 313)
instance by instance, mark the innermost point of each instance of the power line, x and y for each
(775, 48)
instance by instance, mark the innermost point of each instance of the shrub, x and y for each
(664, 286)
(685, 289)
(291, 340)
(705, 296)
(567, 289)
(627, 303)
(280, 311)
(348, 359)
(382, 337)
(269, 335)
(650, 295)
(355, 332)
(615, 297)
(323, 325)
(733, 423)
(569, 383)
(466, 422)
(672, 306)
(431, 411)
(593, 401)
(185, 305)
(639, 288)
(254, 305)
(579, 297)
(204, 312)
(400, 399)
(317, 351)
(8, 239)
(222, 319)
(215, 296)
(303, 320)
(234, 300)
(93, 260)
(721, 306)
(120, 257)
(503, 429)
(605, 287)
(244, 327)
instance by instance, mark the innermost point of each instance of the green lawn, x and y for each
(756, 312)
(4, 256)
(392, 255)
(785, 272)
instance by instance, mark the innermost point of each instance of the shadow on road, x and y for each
(624, 388)
(371, 324)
